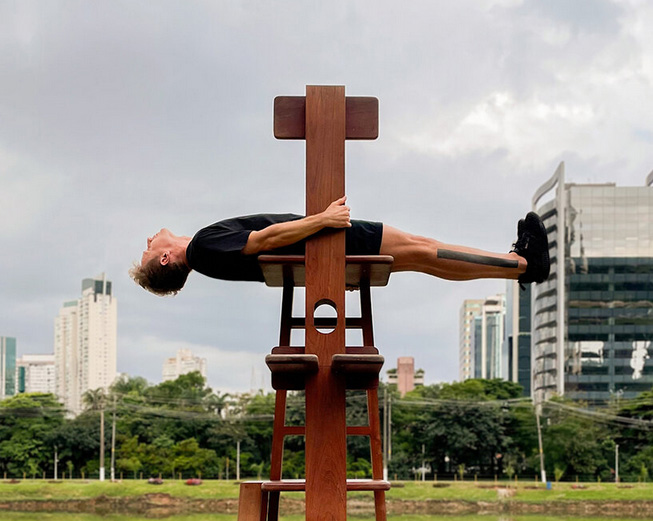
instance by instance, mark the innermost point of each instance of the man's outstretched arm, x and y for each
(284, 234)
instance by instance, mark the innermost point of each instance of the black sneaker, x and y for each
(533, 245)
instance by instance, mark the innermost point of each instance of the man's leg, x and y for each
(415, 253)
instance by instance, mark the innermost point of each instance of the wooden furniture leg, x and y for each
(252, 501)
(278, 434)
(376, 451)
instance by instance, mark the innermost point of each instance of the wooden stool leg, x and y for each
(252, 502)
(276, 458)
(273, 504)
(376, 451)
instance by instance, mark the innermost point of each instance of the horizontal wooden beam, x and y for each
(362, 117)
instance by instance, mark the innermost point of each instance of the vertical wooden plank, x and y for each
(326, 449)
(251, 501)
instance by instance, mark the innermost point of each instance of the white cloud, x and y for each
(502, 122)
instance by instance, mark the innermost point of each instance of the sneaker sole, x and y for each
(533, 219)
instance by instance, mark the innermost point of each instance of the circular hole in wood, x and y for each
(325, 316)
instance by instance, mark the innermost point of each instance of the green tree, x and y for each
(464, 422)
(189, 458)
(574, 443)
(27, 421)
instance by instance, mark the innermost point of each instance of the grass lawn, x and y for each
(214, 489)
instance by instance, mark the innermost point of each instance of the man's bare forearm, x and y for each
(283, 234)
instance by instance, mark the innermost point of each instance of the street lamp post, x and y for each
(423, 465)
(616, 463)
(56, 463)
(102, 442)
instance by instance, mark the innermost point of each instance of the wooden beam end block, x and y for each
(362, 117)
(290, 117)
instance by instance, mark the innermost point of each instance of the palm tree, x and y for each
(132, 386)
(215, 402)
(94, 400)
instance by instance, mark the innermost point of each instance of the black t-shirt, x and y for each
(216, 251)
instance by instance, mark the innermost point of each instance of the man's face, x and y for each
(157, 245)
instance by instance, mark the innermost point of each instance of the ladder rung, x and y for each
(294, 430)
(359, 430)
(299, 485)
(352, 430)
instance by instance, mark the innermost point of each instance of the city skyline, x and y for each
(120, 119)
(263, 376)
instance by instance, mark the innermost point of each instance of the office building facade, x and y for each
(404, 376)
(470, 309)
(517, 340)
(35, 374)
(183, 363)
(85, 343)
(490, 360)
(7, 367)
(592, 321)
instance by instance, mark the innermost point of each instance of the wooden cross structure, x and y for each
(324, 367)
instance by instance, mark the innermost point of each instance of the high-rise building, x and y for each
(517, 339)
(85, 342)
(592, 321)
(470, 309)
(35, 374)
(490, 360)
(66, 354)
(7, 367)
(183, 363)
(404, 376)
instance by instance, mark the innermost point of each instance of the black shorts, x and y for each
(363, 238)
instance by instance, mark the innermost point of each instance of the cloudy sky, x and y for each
(120, 117)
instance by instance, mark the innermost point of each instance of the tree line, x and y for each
(181, 428)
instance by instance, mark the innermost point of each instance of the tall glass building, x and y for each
(490, 360)
(470, 309)
(592, 321)
(7, 367)
(517, 339)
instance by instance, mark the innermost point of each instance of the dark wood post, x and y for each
(325, 118)
(326, 429)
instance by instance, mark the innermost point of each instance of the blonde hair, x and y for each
(160, 279)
